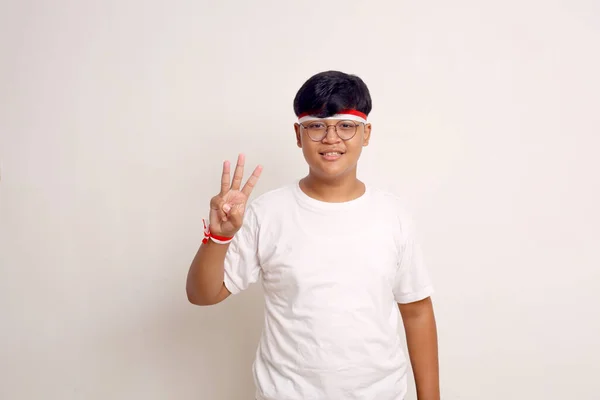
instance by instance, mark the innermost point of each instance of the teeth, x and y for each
(332, 154)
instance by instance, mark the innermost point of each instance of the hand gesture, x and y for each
(228, 207)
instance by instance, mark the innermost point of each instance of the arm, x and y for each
(421, 338)
(205, 277)
(205, 281)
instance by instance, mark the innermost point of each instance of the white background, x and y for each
(115, 117)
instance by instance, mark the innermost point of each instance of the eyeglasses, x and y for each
(317, 130)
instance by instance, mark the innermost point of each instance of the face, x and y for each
(332, 157)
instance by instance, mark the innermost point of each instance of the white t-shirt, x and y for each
(332, 275)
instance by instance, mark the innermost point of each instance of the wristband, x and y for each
(214, 238)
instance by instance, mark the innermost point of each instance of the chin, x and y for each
(329, 172)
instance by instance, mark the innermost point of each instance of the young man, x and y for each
(335, 258)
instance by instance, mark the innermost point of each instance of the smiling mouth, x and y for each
(331, 156)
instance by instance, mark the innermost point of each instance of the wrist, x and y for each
(218, 239)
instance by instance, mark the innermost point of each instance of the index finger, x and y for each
(249, 186)
(225, 178)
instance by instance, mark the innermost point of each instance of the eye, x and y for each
(316, 125)
(346, 125)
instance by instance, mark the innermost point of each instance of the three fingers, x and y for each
(238, 175)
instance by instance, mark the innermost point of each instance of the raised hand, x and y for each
(228, 207)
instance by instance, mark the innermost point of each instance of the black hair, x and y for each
(329, 92)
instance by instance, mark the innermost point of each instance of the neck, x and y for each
(340, 189)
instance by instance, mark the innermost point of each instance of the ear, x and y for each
(367, 135)
(298, 135)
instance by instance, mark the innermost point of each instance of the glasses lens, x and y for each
(316, 130)
(346, 129)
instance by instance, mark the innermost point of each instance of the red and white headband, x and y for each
(349, 115)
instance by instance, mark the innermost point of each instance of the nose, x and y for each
(331, 135)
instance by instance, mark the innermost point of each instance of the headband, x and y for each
(351, 115)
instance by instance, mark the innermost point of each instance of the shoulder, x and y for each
(394, 209)
(392, 203)
(273, 199)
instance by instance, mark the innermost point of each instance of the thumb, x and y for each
(225, 211)
(218, 205)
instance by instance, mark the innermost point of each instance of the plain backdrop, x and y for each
(115, 117)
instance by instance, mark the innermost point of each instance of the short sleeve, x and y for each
(242, 267)
(412, 282)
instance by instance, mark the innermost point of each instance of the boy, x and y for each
(335, 258)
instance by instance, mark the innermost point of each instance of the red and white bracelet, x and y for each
(214, 238)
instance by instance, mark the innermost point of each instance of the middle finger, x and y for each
(239, 173)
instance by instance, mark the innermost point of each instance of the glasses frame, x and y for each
(327, 126)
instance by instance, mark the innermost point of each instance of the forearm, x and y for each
(422, 341)
(204, 284)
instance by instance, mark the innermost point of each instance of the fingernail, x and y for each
(226, 208)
